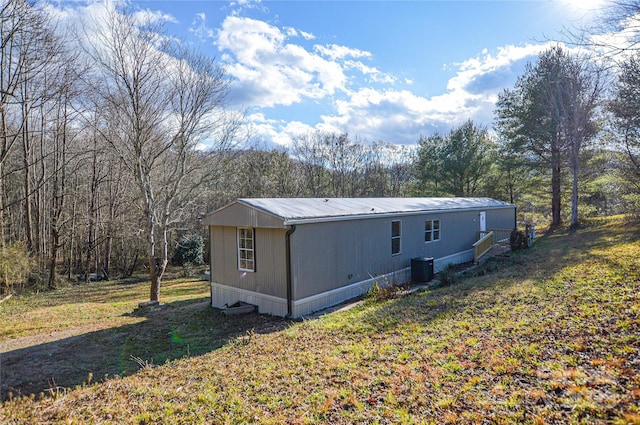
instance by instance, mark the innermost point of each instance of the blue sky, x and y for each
(379, 70)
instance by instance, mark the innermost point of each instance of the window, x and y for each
(396, 236)
(431, 230)
(246, 254)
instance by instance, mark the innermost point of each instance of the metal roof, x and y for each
(304, 210)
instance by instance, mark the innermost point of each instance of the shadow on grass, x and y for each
(175, 330)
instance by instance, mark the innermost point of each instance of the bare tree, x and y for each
(371, 178)
(27, 48)
(309, 150)
(616, 32)
(400, 161)
(162, 101)
(37, 78)
(583, 92)
(62, 160)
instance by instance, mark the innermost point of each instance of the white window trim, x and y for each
(432, 230)
(399, 237)
(252, 250)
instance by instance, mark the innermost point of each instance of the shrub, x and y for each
(384, 292)
(448, 276)
(631, 204)
(189, 251)
(517, 240)
(15, 266)
(187, 270)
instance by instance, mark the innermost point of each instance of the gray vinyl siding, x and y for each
(503, 219)
(331, 255)
(327, 256)
(239, 215)
(270, 261)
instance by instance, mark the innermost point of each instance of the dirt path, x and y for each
(35, 340)
(44, 363)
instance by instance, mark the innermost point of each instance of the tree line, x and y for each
(102, 166)
(116, 140)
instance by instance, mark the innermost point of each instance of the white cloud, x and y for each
(400, 116)
(396, 116)
(280, 67)
(487, 71)
(276, 132)
(89, 19)
(334, 51)
(618, 42)
(78, 18)
(153, 16)
(240, 5)
(307, 35)
(273, 67)
(270, 69)
(375, 112)
(199, 27)
(77, 13)
(374, 74)
(293, 32)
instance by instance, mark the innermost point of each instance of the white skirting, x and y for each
(457, 258)
(222, 294)
(338, 295)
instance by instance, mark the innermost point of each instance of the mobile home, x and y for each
(294, 256)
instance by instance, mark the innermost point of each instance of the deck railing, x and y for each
(482, 246)
(499, 235)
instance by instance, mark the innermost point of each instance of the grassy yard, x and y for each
(551, 335)
(51, 341)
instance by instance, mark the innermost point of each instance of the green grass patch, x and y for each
(551, 336)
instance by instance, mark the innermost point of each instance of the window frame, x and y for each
(432, 231)
(241, 235)
(397, 237)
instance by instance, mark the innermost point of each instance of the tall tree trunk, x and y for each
(26, 152)
(4, 285)
(3, 153)
(153, 261)
(556, 180)
(55, 244)
(72, 237)
(157, 263)
(107, 255)
(41, 223)
(91, 230)
(556, 197)
(3, 235)
(574, 200)
(58, 196)
(575, 169)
